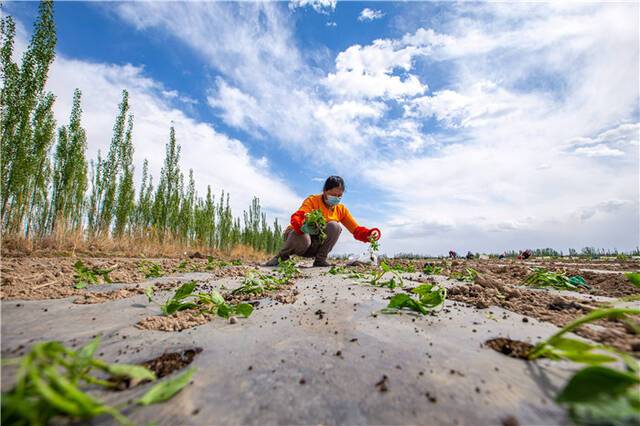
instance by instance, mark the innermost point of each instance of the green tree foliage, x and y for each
(27, 122)
(125, 202)
(69, 172)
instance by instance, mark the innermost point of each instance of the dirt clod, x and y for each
(382, 384)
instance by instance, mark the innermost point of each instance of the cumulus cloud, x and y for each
(533, 104)
(368, 71)
(321, 6)
(370, 14)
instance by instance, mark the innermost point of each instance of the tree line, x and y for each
(49, 187)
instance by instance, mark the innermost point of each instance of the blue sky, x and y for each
(466, 126)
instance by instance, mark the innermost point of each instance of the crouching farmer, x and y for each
(304, 240)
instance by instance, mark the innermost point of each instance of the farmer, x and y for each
(303, 239)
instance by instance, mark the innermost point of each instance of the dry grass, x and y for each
(72, 244)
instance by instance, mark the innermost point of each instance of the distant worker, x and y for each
(470, 255)
(303, 239)
(524, 255)
(453, 254)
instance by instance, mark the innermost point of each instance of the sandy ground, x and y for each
(319, 351)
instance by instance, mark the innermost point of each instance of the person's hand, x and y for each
(362, 234)
(297, 220)
(375, 234)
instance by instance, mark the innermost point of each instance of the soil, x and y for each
(38, 278)
(166, 364)
(512, 348)
(544, 306)
(162, 366)
(176, 322)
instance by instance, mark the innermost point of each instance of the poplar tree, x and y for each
(69, 172)
(125, 202)
(111, 168)
(24, 105)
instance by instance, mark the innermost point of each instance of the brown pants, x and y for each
(306, 245)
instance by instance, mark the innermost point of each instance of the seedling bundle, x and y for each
(317, 223)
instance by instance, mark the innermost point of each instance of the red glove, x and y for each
(362, 234)
(297, 220)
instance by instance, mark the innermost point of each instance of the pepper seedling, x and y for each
(150, 269)
(469, 274)
(430, 297)
(542, 278)
(432, 269)
(52, 382)
(205, 303)
(634, 278)
(84, 275)
(596, 394)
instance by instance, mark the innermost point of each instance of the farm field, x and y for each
(317, 347)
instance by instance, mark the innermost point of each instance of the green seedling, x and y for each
(259, 284)
(288, 268)
(374, 245)
(469, 274)
(84, 275)
(542, 278)
(236, 262)
(634, 278)
(205, 303)
(431, 297)
(356, 275)
(408, 268)
(596, 394)
(335, 270)
(214, 264)
(432, 269)
(182, 266)
(150, 292)
(376, 276)
(150, 269)
(52, 381)
(316, 221)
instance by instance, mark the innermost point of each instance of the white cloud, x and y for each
(503, 165)
(367, 71)
(216, 159)
(370, 14)
(483, 159)
(265, 87)
(331, 24)
(321, 6)
(598, 151)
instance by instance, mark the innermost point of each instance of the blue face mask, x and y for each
(333, 201)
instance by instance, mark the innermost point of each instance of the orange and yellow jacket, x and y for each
(339, 213)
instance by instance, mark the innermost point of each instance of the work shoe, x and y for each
(276, 261)
(321, 263)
